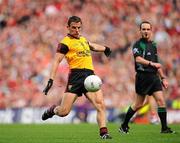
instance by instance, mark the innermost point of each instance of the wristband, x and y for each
(107, 51)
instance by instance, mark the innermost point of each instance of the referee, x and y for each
(77, 51)
(149, 78)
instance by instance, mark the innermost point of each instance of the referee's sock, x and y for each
(163, 115)
(128, 116)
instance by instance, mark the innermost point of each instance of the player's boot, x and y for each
(124, 129)
(106, 136)
(167, 131)
(49, 113)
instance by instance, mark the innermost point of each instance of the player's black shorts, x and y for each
(76, 81)
(147, 83)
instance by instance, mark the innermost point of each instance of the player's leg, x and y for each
(158, 95)
(66, 104)
(63, 109)
(96, 98)
(139, 100)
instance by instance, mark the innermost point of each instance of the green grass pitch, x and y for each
(83, 133)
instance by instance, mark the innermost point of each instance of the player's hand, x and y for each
(48, 86)
(107, 51)
(165, 83)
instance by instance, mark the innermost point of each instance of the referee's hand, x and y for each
(165, 83)
(48, 86)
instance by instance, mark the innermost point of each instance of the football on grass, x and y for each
(92, 83)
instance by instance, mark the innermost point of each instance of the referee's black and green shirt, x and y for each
(147, 50)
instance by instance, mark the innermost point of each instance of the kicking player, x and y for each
(77, 51)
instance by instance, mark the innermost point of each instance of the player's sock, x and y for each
(103, 131)
(128, 116)
(162, 115)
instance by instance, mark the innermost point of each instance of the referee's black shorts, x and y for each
(147, 83)
(76, 81)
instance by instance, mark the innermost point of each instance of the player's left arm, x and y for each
(99, 48)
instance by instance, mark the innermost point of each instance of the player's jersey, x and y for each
(77, 52)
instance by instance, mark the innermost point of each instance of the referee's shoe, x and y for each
(167, 130)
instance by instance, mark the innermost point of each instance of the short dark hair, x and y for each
(143, 23)
(74, 19)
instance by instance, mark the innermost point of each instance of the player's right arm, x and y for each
(58, 58)
(62, 49)
(60, 53)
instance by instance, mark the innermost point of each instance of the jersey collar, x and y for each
(69, 35)
(145, 40)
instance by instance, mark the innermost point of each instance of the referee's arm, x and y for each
(143, 61)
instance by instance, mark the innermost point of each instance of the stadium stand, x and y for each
(30, 31)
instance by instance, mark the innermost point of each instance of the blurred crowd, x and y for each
(31, 29)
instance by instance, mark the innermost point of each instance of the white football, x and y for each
(92, 83)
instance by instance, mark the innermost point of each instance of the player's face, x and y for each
(146, 30)
(74, 29)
